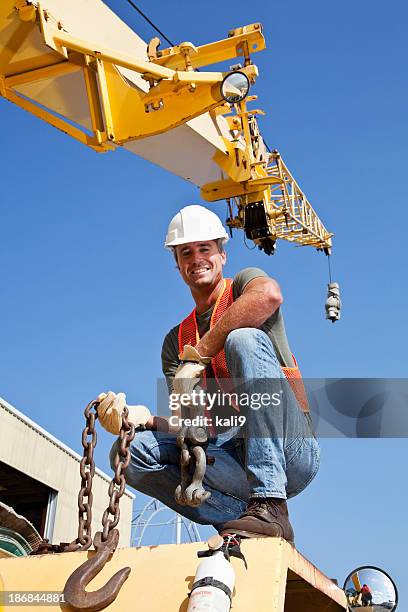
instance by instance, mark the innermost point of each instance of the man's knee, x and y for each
(244, 340)
(250, 354)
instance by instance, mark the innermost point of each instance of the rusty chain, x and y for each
(87, 471)
(118, 482)
(106, 541)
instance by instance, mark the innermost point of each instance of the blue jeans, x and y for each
(275, 456)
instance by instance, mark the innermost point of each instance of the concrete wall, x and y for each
(32, 450)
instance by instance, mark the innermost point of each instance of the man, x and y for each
(366, 596)
(235, 334)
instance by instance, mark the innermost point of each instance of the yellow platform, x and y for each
(278, 579)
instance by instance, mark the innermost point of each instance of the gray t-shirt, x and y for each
(274, 327)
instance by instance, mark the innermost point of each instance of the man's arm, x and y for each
(261, 297)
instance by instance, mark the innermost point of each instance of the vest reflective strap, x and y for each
(188, 334)
(219, 362)
(294, 378)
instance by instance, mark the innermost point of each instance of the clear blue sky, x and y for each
(88, 291)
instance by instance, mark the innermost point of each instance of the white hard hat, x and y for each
(194, 224)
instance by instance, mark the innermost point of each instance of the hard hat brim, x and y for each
(179, 241)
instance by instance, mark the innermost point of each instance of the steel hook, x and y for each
(74, 591)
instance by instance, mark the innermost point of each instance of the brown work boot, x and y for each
(263, 518)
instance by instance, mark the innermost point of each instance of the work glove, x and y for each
(110, 412)
(190, 370)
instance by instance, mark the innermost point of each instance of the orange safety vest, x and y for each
(188, 334)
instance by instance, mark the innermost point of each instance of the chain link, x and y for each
(87, 472)
(118, 482)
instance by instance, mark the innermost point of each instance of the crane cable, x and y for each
(150, 22)
(330, 274)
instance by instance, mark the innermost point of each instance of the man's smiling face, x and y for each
(200, 263)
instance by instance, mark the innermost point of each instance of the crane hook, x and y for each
(74, 591)
(333, 302)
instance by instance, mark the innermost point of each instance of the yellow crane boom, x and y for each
(78, 67)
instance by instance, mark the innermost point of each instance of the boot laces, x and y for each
(258, 506)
